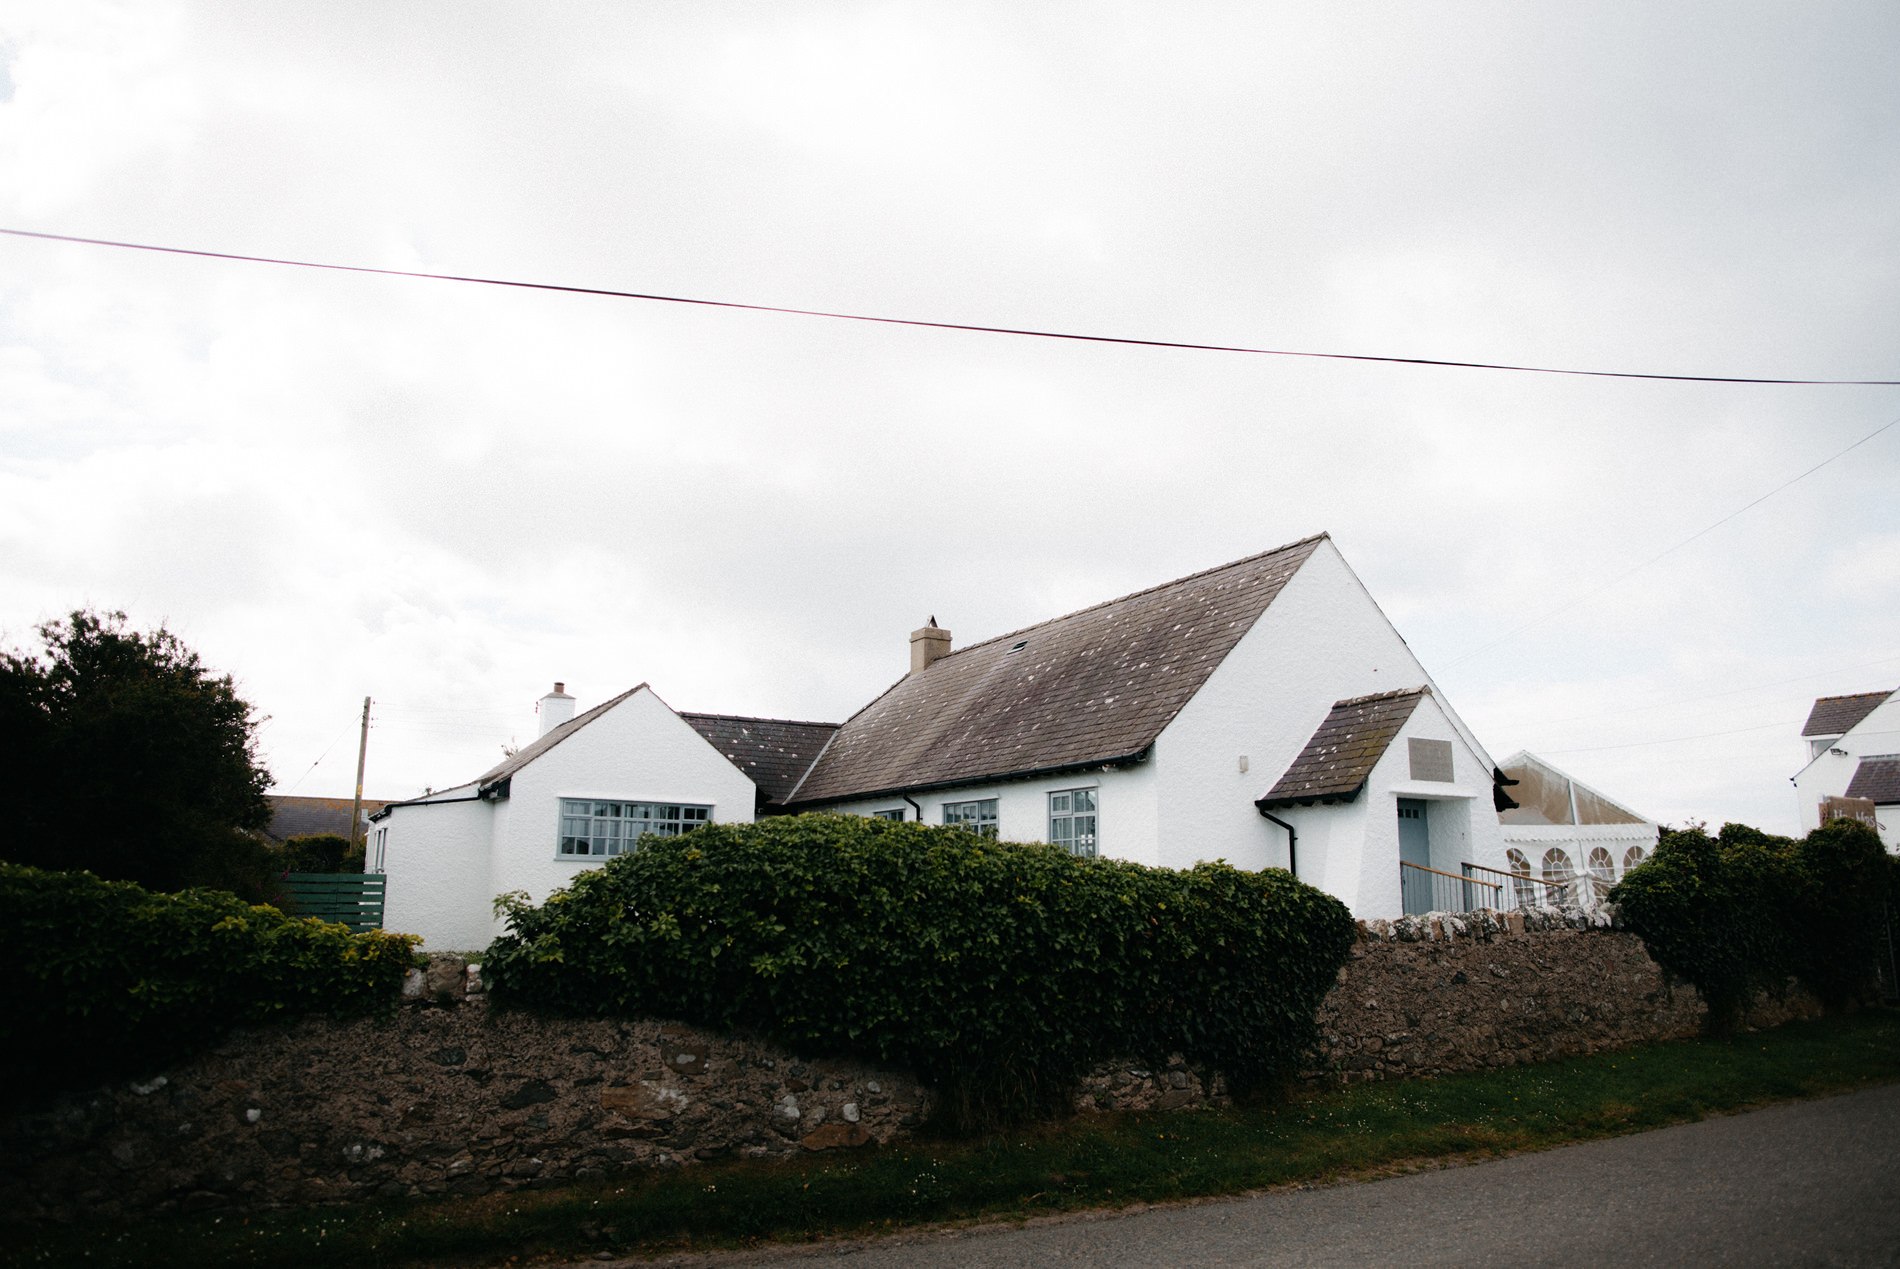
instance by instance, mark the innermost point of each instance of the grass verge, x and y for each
(1097, 1162)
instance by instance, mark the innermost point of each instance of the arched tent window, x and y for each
(1523, 892)
(1632, 857)
(1602, 870)
(1557, 874)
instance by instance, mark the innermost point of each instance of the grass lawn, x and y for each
(1368, 1130)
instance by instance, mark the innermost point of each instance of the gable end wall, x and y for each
(1322, 640)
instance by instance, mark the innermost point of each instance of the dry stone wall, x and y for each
(450, 1097)
(1441, 993)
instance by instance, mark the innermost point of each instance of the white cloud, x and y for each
(448, 496)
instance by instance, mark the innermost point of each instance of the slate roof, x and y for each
(1838, 715)
(1336, 761)
(529, 752)
(311, 817)
(1096, 686)
(1877, 777)
(775, 752)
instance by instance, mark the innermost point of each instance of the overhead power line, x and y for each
(1673, 740)
(1574, 600)
(930, 325)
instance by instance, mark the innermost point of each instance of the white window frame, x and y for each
(893, 813)
(1067, 819)
(976, 815)
(617, 831)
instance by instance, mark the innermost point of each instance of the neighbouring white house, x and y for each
(1563, 831)
(1264, 712)
(584, 791)
(1852, 761)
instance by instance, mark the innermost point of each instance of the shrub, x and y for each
(996, 971)
(105, 977)
(323, 853)
(1746, 910)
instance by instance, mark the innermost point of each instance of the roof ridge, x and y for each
(1424, 689)
(756, 718)
(1134, 594)
(1854, 696)
(554, 736)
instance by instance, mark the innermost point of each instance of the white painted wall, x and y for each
(1323, 639)
(436, 860)
(1126, 825)
(1460, 818)
(1829, 774)
(639, 751)
(446, 861)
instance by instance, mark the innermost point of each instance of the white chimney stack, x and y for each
(555, 708)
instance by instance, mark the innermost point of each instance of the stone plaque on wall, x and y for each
(1431, 759)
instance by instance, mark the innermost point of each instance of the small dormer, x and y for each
(1834, 716)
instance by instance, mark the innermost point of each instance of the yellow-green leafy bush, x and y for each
(106, 977)
(996, 971)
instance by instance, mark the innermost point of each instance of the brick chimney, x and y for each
(927, 644)
(555, 708)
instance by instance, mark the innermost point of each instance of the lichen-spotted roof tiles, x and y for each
(1094, 686)
(1336, 761)
(1877, 777)
(1838, 715)
(774, 752)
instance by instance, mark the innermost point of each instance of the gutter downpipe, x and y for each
(1292, 838)
(914, 807)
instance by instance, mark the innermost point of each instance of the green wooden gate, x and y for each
(354, 899)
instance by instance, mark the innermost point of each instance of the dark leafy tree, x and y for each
(120, 753)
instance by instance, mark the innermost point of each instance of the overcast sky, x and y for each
(448, 496)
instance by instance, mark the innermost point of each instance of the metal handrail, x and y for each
(1454, 876)
(1466, 898)
(1597, 882)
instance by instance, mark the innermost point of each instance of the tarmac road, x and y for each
(1806, 1183)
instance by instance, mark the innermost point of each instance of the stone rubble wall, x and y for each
(448, 1097)
(451, 1098)
(1440, 993)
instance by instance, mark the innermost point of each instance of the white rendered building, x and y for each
(1265, 713)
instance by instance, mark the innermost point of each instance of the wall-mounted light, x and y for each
(1841, 752)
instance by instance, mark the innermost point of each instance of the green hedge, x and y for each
(106, 977)
(996, 971)
(1747, 910)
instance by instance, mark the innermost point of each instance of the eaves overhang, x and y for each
(1263, 805)
(1003, 777)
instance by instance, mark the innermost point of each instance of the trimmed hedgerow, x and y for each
(1746, 910)
(994, 970)
(106, 977)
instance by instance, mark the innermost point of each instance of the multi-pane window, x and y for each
(595, 828)
(1522, 889)
(1557, 869)
(1633, 857)
(897, 814)
(978, 817)
(1072, 820)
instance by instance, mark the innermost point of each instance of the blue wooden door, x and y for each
(1415, 847)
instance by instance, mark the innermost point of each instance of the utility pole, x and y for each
(362, 753)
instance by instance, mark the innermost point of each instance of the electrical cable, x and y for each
(960, 326)
(1734, 691)
(1673, 740)
(1568, 604)
(320, 757)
